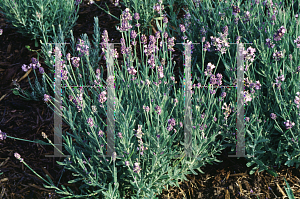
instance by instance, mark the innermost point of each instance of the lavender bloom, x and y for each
(83, 49)
(136, 16)
(223, 94)
(289, 124)
(172, 122)
(209, 69)
(68, 56)
(158, 109)
(297, 41)
(236, 21)
(151, 61)
(34, 60)
(171, 44)
(25, 68)
(90, 122)
(126, 163)
(75, 61)
(269, 43)
(46, 97)
(41, 70)
(207, 46)
(146, 108)
(247, 97)
(169, 128)
(126, 17)
(102, 97)
(165, 20)
(236, 10)
(139, 132)
(105, 40)
(133, 34)
(182, 28)
(165, 35)
(144, 39)
(277, 55)
(64, 74)
(247, 17)
(279, 34)
(212, 92)
(18, 156)
(2, 135)
(257, 85)
(213, 80)
(203, 31)
(158, 8)
(225, 30)
(123, 46)
(273, 116)
(137, 167)
(32, 65)
(131, 71)
(222, 15)
(100, 133)
(120, 135)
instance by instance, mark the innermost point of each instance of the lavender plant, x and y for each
(36, 18)
(147, 157)
(275, 140)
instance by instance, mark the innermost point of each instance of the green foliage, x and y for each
(34, 18)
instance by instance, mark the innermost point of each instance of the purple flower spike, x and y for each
(46, 98)
(2, 135)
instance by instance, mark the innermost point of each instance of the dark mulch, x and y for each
(27, 119)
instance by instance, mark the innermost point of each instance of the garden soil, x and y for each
(28, 119)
